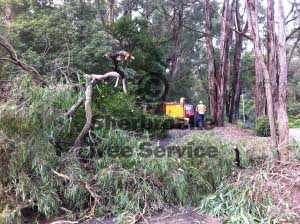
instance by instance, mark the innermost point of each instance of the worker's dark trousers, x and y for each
(200, 120)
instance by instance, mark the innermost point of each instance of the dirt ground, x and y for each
(242, 138)
(174, 216)
(182, 217)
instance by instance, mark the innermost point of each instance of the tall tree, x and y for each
(271, 48)
(260, 97)
(224, 61)
(235, 92)
(218, 83)
(177, 29)
(252, 10)
(211, 63)
(111, 11)
(282, 61)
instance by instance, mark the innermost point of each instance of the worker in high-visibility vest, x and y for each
(201, 109)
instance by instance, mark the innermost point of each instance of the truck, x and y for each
(183, 112)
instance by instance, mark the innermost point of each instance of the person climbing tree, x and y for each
(120, 57)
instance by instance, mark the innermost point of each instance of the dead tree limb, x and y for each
(88, 109)
(74, 108)
(87, 187)
(13, 58)
(291, 34)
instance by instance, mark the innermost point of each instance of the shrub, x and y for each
(241, 124)
(262, 127)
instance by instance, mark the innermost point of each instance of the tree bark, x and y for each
(88, 109)
(111, 12)
(224, 64)
(14, 59)
(235, 92)
(283, 72)
(296, 95)
(271, 48)
(8, 14)
(252, 11)
(174, 63)
(260, 97)
(211, 63)
(101, 11)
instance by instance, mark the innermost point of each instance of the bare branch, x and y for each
(13, 58)
(293, 49)
(292, 33)
(291, 20)
(194, 30)
(242, 33)
(88, 188)
(74, 108)
(94, 78)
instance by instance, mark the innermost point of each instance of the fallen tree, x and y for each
(93, 80)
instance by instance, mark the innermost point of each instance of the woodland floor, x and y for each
(284, 179)
(174, 216)
(284, 175)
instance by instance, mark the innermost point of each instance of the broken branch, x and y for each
(88, 109)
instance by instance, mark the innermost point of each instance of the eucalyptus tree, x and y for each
(218, 78)
(282, 83)
(252, 11)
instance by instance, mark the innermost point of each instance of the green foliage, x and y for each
(241, 124)
(294, 123)
(237, 204)
(118, 111)
(122, 182)
(294, 110)
(62, 40)
(136, 38)
(262, 127)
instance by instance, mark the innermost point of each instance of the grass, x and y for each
(294, 123)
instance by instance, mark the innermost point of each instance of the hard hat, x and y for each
(200, 102)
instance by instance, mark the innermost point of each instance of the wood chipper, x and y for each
(184, 113)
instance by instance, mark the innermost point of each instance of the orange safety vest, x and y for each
(201, 109)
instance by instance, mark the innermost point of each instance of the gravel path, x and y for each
(295, 134)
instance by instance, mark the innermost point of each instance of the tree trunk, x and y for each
(8, 15)
(271, 47)
(252, 11)
(101, 11)
(224, 64)
(148, 13)
(174, 63)
(111, 12)
(295, 93)
(260, 97)
(283, 92)
(79, 142)
(211, 63)
(235, 92)
(127, 8)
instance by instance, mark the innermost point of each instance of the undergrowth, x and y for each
(264, 195)
(102, 179)
(294, 123)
